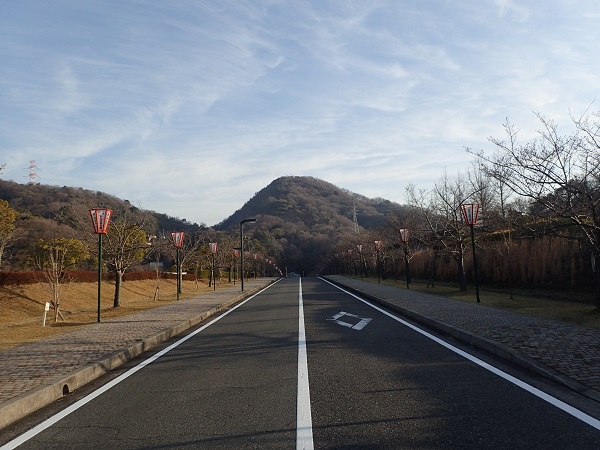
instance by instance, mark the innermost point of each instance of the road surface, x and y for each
(305, 365)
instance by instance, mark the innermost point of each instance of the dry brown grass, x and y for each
(578, 313)
(22, 306)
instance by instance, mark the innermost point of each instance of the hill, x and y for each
(49, 211)
(308, 217)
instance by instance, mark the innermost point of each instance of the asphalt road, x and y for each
(373, 382)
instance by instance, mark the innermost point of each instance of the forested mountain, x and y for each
(308, 217)
(51, 202)
(46, 212)
(299, 219)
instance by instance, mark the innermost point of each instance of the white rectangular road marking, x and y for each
(360, 325)
(304, 434)
(355, 326)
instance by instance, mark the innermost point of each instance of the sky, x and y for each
(190, 107)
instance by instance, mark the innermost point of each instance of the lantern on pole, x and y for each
(470, 213)
(213, 250)
(378, 246)
(404, 233)
(177, 237)
(100, 221)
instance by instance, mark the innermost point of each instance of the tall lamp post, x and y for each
(404, 238)
(252, 220)
(100, 220)
(378, 245)
(213, 251)
(177, 237)
(471, 215)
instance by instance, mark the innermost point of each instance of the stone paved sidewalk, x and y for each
(558, 350)
(33, 375)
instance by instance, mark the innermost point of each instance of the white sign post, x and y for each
(46, 309)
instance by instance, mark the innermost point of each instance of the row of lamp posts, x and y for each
(101, 220)
(470, 213)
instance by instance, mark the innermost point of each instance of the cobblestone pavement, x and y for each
(564, 352)
(33, 375)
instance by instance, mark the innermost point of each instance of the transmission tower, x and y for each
(32, 172)
(355, 219)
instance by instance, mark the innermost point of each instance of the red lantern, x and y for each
(404, 234)
(100, 219)
(177, 237)
(471, 213)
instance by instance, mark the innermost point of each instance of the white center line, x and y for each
(304, 435)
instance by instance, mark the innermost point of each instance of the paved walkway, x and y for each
(36, 374)
(566, 353)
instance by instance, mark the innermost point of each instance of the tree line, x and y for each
(539, 224)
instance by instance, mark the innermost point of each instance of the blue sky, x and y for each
(190, 107)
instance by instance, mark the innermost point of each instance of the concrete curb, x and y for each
(495, 348)
(24, 404)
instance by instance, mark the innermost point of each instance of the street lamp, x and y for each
(471, 214)
(404, 238)
(177, 237)
(378, 245)
(252, 220)
(213, 251)
(100, 220)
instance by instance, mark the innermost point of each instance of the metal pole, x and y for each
(242, 254)
(475, 264)
(178, 274)
(99, 272)
(378, 267)
(213, 273)
(407, 266)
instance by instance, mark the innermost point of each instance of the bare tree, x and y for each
(558, 174)
(443, 225)
(125, 245)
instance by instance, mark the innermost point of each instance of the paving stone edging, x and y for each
(50, 391)
(498, 349)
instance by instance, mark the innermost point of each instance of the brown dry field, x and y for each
(22, 306)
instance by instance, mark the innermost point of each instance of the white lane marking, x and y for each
(75, 406)
(304, 434)
(355, 326)
(593, 422)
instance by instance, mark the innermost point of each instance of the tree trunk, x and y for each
(597, 289)
(118, 280)
(462, 278)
